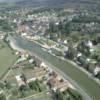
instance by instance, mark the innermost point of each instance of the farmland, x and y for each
(7, 57)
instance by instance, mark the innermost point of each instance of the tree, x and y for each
(14, 91)
(84, 49)
(34, 85)
(98, 39)
(7, 84)
(98, 75)
(23, 77)
(2, 85)
(71, 51)
(5, 26)
(22, 88)
(60, 26)
(70, 54)
(74, 94)
(52, 27)
(66, 29)
(58, 95)
(2, 97)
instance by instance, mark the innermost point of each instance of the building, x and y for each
(97, 69)
(58, 83)
(20, 81)
(2, 35)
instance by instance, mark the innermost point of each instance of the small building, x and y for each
(58, 83)
(20, 81)
(31, 61)
(1, 91)
(88, 43)
(96, 71)
(2, 35)
(43, 65)
(65, 41)
(23, 34)
(91, 67)
(30, 80)
(79, 54)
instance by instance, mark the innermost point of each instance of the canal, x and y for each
(86, 83)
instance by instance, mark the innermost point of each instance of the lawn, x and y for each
(46, 41)
(39, 41)
(56, 52)
(7, 58)
(10, 78)
(41, 96)
(29, 73)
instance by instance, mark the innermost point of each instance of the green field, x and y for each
(7, 58)
(46, 41)
(87, 84)
(41, 96)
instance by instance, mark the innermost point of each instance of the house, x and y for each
(20, 81)
(2, 36)
(65, 42)
(17, 53)
(30, 80)
(31, 61)
(43, 65)
(58, 83)
(81, 60)
(79, 54)
(23, 34)
(23, 58)
(91, 50)
(35, 59)
(88, 43)
(91, 67)
(22, 28)
(97, 69)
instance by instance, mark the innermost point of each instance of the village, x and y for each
(61, 50)
(29, 76)
(45, 54)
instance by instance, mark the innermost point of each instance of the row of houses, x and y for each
(92, 65)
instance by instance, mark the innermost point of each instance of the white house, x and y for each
(97, 69)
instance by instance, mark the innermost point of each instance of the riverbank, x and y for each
(15, 47)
